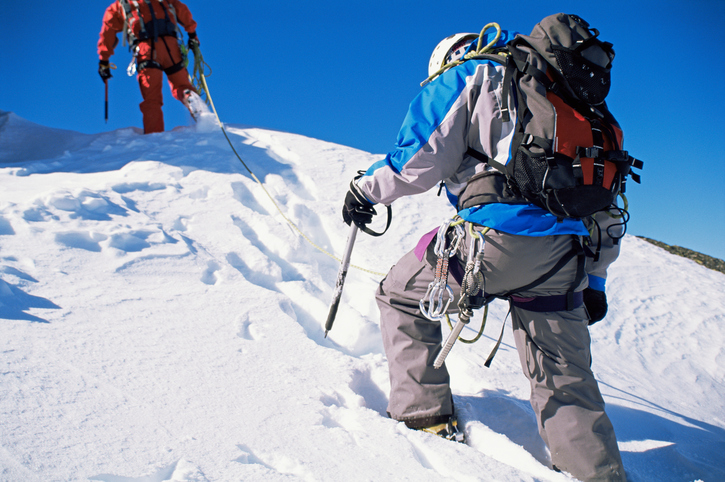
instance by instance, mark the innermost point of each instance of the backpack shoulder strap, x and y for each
(129, 7)
(504, 58)
(169, 10)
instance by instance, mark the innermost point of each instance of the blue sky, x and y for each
(345, 72)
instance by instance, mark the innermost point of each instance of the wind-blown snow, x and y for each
(160, 320)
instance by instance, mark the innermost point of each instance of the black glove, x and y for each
(596, 304)
(104, 70)
(357, 208)
(193, 41)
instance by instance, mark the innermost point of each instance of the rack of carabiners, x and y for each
(449, 239)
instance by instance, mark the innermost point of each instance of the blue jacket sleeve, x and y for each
(431, 143)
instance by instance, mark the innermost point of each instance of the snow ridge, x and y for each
(160, 321)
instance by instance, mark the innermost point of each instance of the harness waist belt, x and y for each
(539, 304)
(152, 64)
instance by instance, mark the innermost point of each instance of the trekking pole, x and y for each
(341, 278)
(105, 81)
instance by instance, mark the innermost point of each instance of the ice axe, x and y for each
(344, 265)
(105, 81)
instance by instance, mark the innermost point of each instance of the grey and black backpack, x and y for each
(566, 154)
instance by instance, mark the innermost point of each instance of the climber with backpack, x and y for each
(151, 29)
(517, 129)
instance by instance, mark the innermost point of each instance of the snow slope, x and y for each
(160, 320)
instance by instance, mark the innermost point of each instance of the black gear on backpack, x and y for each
(566, 153)
(152, 30)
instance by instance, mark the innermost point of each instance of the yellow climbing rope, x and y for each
(199, 66)
(198, 75)
(480, 331)
(479, 50)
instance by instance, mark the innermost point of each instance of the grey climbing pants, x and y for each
(554, 349)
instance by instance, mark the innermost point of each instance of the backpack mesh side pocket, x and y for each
(528, 174)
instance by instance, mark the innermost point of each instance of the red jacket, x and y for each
(113, 22)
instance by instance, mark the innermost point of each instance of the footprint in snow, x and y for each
(85, 205)
(245, 196)
(85, 240)
(246, 329)
(5, 227)
(181, 471)
(126, 187)
(209, 276)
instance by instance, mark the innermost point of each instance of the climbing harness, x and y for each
(473, 294)
(167, 26)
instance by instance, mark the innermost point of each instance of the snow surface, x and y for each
(161, 320)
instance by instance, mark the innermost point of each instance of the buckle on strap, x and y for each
(589, 152)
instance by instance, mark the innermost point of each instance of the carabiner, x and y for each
(437, 288)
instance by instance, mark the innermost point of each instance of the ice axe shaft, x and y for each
(344, 265)
(452, 337)
(106, 82)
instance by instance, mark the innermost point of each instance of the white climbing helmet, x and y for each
(449, 49)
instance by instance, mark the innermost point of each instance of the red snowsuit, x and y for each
(153, 58)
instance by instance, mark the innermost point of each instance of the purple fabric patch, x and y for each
(424, 243)
(521, 299)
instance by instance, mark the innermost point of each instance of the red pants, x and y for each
(167, 54)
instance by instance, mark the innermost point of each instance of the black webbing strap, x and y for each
(544, 304)
(488, 361)
(174, 68)
(154, 33)
(509, 69)
(148, 64)
(369, 231)
(478, 155)
(598, 144)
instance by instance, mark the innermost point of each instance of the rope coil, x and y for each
(479, 50)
